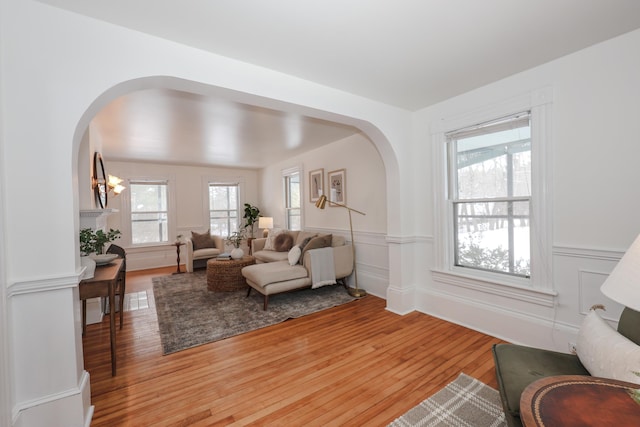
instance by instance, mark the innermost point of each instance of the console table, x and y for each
(577, 400)
(103, 284)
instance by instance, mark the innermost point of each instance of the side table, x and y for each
(226, 275)
(578, 400)
(177, 245)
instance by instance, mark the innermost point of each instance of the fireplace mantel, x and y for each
(95, 218)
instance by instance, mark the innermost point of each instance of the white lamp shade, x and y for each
(265, 222)
(623, 284)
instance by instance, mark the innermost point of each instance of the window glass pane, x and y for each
(149, 214)
(223, 209)
(496, 164)
(148, 197)
(493, 236)
(149, 228)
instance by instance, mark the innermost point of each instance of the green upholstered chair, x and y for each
(518, 366)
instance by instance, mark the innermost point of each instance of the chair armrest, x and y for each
(188, 262)
(258, 244)
(219, 241)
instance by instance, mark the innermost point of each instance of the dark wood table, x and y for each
(103, 284)
(177, 245)
(577, 400)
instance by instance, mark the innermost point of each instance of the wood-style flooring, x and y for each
(353, 365)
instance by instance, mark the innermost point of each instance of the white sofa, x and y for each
(273, 273)
(200, 256)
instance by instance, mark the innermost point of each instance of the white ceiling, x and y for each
(407, 53)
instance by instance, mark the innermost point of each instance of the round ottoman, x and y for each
(226, 275)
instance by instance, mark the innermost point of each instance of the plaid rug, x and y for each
(464, 402)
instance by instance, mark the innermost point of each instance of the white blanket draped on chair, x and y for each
(323, 271)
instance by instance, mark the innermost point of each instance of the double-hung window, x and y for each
(292, 200)
(490, 190)
(223, 208)
(149, 212)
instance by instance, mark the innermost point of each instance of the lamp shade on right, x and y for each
(623, 284)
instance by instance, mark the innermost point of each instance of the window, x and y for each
(149, 212)
(490, 189)
(223, 209)
(292, 200)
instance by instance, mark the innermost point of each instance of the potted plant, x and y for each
(251, 215)
(235, 239)
(94, 241)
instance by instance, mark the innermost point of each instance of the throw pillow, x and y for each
(305, 235)
(269, 245)
(605, 352)
(294, 255)
(317, 242)
(283, 242)
(201, 241)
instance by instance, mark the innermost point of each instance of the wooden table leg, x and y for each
(112, 324)
(84, 317)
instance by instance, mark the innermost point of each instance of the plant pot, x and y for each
(237, 253)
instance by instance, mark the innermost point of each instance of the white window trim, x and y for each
(539, 102)
(171, 210)
(287, 172)
(226, 180)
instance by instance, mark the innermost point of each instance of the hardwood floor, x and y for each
(352, 365)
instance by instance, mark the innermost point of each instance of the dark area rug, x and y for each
(190, 315)
(464, 402)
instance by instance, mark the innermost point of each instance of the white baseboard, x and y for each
(69, 408)
(517, 328)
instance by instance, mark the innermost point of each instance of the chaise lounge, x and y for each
(280, 271)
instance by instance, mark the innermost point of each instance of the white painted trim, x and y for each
(58, 400)
(588, 253)
(539, 102)
(530, 295)
(498, 321)
(44, 284)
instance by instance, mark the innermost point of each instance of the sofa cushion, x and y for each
(283, 242)
(273, 272)
(271, 256)
(206, 253)
(201, 241)
(606, 353)
(518, 366)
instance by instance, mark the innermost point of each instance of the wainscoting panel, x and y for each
(548, 319)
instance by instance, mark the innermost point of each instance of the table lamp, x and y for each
(265, 222)
(623, 284)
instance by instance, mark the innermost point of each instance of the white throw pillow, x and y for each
(605, 352)
(273, 233)
(294, 255)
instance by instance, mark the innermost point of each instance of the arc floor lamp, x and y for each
(320, 204)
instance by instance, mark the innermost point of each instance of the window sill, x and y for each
(543, 297)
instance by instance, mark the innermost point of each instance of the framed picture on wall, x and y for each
(316, 184)
(337, 186)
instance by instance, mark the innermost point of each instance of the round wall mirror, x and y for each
(99, 181)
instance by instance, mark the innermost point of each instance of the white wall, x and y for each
(595, 149)
(188, 204)
(57, 70)
(365, 190)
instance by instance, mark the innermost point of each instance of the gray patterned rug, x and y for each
(189, 315)
(464, 402)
